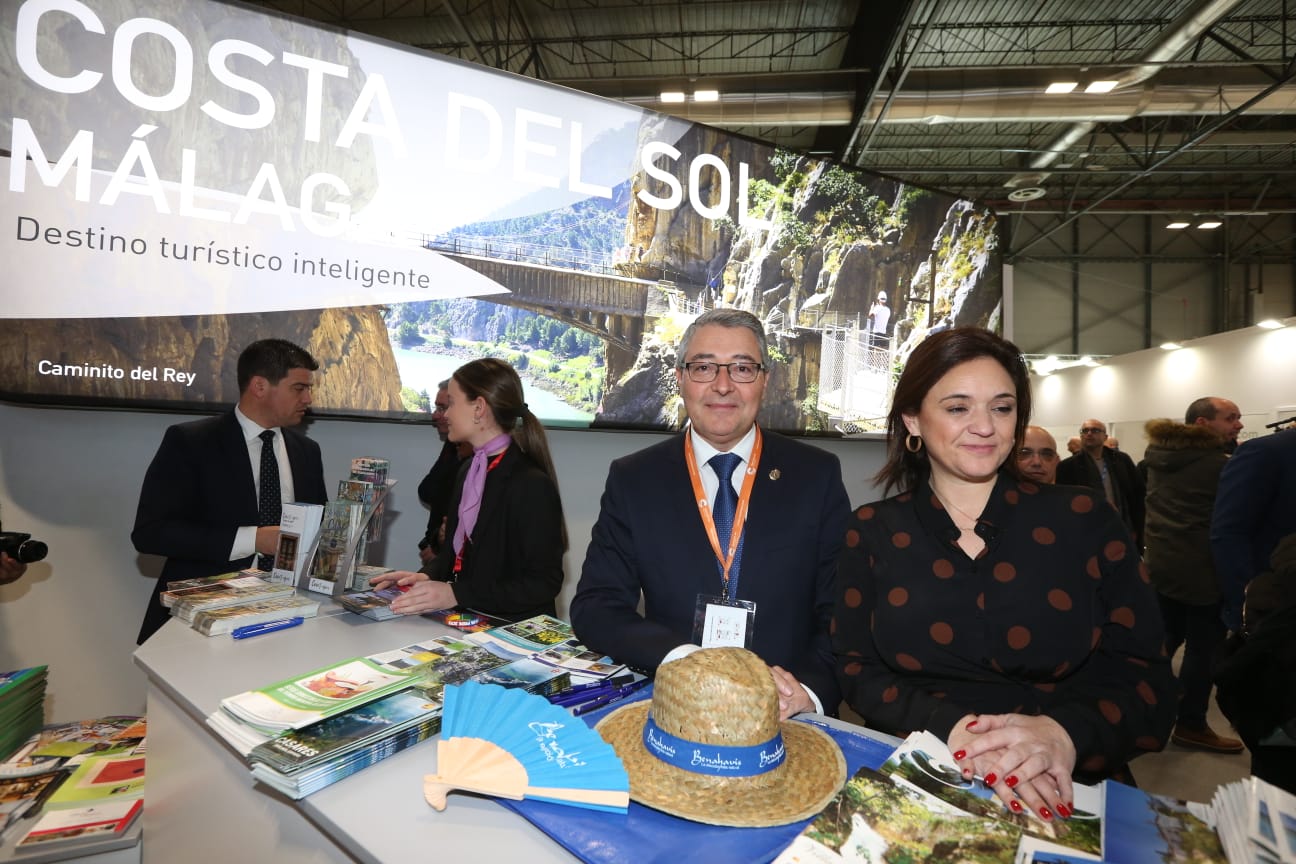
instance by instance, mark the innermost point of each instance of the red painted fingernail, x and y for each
(1011, 780)
(1044, 811)
(1063, 811)
(990, 779)
(1015, 805)
(1071, 805)
(959, 754)
(973, 723)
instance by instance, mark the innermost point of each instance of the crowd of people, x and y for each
(1022, 606)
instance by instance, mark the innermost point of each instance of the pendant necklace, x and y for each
(950, 505)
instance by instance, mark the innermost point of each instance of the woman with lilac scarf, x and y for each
(505, 523)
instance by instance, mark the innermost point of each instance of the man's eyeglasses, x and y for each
(1092, 430)
(704, 371)
(1044, 453)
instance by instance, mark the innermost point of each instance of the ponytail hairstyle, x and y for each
(499, 384)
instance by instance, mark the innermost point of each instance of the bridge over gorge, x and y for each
(579, 288)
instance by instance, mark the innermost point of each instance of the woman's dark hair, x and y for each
(498, 383)
(935, 356)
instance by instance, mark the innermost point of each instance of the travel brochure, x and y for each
(70, 783)
(309, 731)
(917, 806)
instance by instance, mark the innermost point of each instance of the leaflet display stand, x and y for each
(341, 562)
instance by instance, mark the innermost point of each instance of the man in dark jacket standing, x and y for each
(1108, 472)
(1183, 462)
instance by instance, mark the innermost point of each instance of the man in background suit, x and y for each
(437, 488)
(203, 504)
(1109, 472)
(651, 536)
(1255, 507)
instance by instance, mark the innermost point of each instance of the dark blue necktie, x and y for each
(270, 504)
(726, 502)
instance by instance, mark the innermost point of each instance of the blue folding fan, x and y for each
(512, 744)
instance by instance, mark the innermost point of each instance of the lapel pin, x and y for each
(775, 474)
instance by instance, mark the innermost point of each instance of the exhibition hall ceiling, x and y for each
(1196, 114)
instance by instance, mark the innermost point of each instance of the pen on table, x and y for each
(618, 695)
(265, 627)
(566, 700)
(583, 692)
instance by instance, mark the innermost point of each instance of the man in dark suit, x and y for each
(436, 489)
(652, 535)
(1255, 508)
(1109, 472)
(203, 504)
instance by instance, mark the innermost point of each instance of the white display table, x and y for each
(202, 805)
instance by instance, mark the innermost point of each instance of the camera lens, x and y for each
(31, 551)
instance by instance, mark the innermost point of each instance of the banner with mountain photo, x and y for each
(186, 178)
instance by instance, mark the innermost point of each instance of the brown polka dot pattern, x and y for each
(853, 597)
(1148, 743)
(852, 538)
(1059, 600)
(908, 661)
(1055, 602)
(1144, 575)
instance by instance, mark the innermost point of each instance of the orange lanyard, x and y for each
(458, 564)
(740, 512)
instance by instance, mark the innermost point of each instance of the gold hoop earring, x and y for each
(911, 446)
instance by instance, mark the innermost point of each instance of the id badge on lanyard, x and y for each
(724, 621)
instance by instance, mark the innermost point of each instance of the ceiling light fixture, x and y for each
(1058, 87)
(1209, 224)
(1170, 346)
(1178, 225)
(1101, 86)
(706, 95)
(1270, 324)
(672, 96)
(1030, 193)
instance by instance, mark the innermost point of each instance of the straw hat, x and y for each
(717, 700)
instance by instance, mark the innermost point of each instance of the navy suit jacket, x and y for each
(649, 538)
(198, 491)
(1255, 507)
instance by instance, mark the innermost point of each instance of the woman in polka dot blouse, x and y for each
(1012, 619)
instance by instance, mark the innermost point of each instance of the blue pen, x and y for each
(619, 695)
(566, 700)
(264, 627)
(614, 681)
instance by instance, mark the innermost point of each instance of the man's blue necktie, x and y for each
(726, 503)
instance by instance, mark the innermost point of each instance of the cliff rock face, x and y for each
(680, 245)
(351, 345)
(839, 237)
